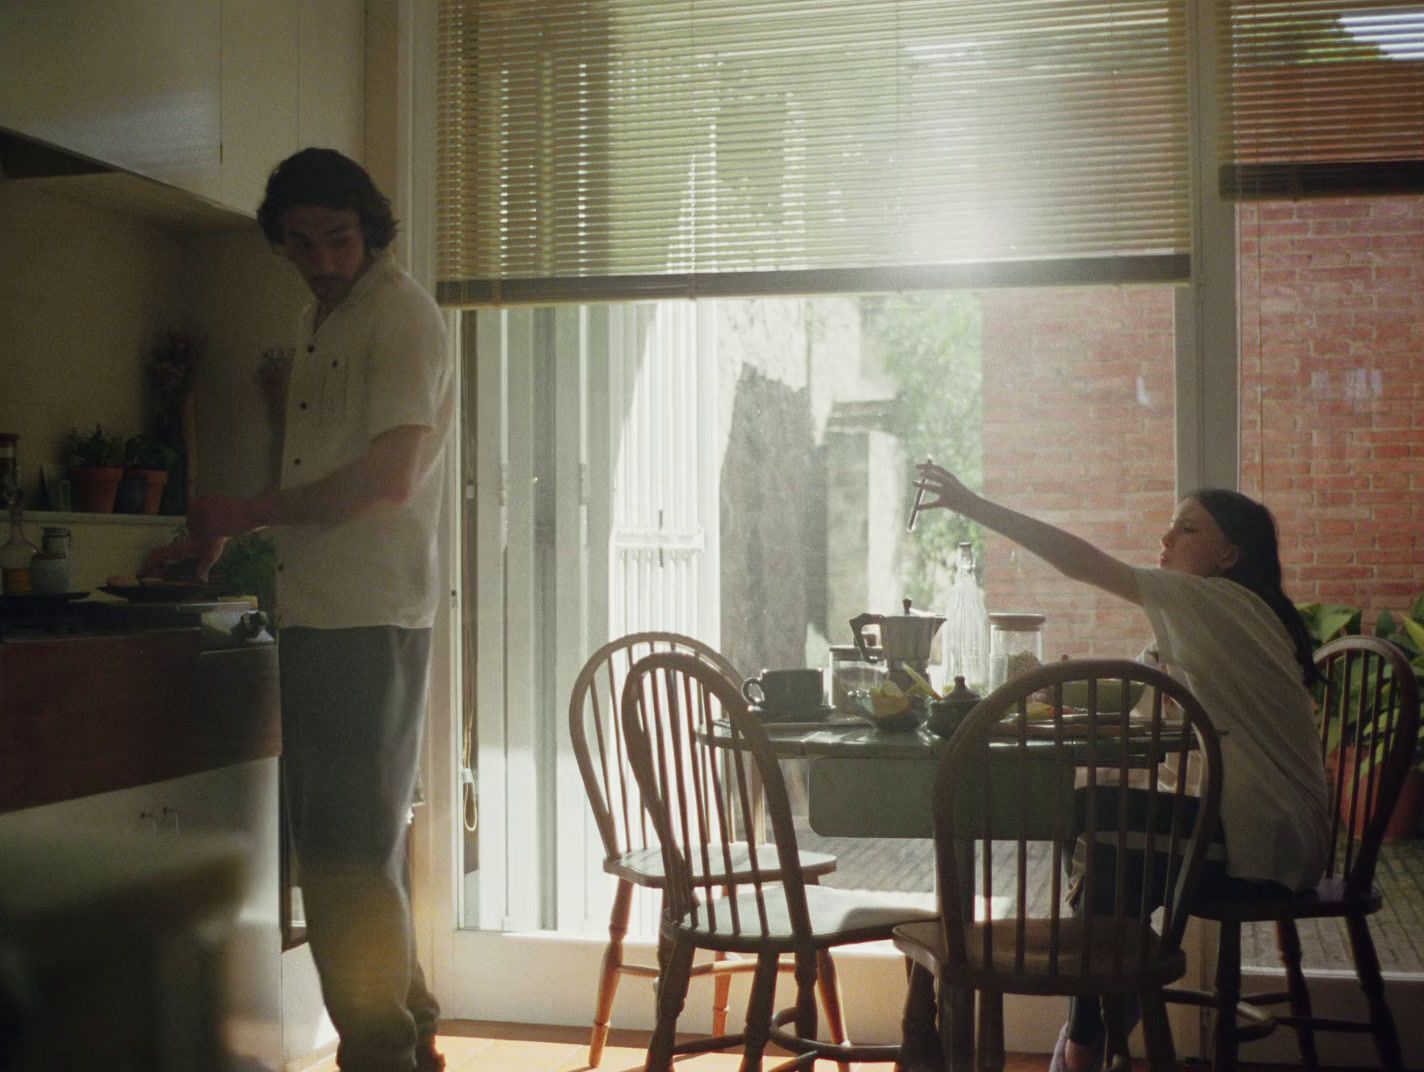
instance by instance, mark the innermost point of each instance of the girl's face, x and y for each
(1195, 543)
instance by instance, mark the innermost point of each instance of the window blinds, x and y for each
(1322, 97)
(619, 149)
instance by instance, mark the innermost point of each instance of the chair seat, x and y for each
(1327, 899)
(924, 944)
(644, 867)
(838, 917)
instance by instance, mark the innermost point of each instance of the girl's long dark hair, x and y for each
(1252, 530)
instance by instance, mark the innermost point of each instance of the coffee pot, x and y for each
(905, 642)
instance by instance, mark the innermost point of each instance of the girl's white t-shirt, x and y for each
(1225, 644)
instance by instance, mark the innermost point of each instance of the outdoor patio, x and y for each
(1398, 929)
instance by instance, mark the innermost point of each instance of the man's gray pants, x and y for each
(353, 711)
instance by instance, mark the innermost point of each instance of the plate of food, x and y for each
(158, 590)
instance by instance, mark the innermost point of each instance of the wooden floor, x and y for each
(481, 1046)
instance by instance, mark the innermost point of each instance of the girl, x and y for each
(1228, 631)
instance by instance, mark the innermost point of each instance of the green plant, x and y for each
(1326, 621)
(932, 349)
(140, 452)
(93, 448)
(248, 566)
(173, 368)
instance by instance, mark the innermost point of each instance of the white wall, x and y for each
(86, 287)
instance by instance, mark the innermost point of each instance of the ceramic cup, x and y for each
(777, 691)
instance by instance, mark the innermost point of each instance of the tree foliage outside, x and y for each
(932, 348)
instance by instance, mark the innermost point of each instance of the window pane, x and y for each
(746, 469)
(1332, 440)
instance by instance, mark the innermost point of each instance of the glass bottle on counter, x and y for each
(17, 554)
(966, 637)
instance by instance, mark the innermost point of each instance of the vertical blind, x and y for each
(1322, 97)
(635, 148)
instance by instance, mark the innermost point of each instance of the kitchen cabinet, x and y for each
(205, 95)
(332, 92)
(293, 75)
(260, 77)
(152, 737)
(132, 83)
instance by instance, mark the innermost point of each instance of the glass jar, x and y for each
(851, 673)
(1015, 645)
(16, 554)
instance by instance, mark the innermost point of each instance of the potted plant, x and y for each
(95, 469)
(146, 467)
(172, 375)
(1326, 621)
(248, 566)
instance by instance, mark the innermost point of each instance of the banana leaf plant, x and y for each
(1326, 621)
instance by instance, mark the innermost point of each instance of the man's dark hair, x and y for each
(1252, 530)
(327, 178)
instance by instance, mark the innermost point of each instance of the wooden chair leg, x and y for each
(721, 991)
(759, 1010)
(1157, 1034)
(672, 993)
(1288, 943)
(608, 973)
(829, 989)
(991, 1031)
(806, 972)
(1228, 993)
(1372, 983)
(919, 1044)
(1115, 1032)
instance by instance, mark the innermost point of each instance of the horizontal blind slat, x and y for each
(695, 138)
(1322, 97)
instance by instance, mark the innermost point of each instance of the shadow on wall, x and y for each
(773, 520)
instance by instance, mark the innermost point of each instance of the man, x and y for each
(367, 409)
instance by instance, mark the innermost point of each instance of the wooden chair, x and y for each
(1017, 794)
(1371, 708)
(708, 779)
(631, 852)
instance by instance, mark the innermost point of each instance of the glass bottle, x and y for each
(17, 554)
(9, 467)
(966, 643)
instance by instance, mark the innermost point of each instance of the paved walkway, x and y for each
(1398, 929)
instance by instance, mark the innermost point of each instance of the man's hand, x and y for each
(187, 548)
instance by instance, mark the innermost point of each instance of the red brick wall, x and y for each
(1332, 401)
(1078, 430)
(1079, 426)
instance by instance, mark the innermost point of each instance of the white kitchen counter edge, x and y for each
(81, 517)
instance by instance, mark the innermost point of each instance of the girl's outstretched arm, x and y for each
(1070, 555)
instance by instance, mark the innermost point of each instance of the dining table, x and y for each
(867, 782)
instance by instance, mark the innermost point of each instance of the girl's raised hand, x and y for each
(943, 490)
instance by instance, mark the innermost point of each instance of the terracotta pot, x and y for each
(1404, 819)
(95, 487)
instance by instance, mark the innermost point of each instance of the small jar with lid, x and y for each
(1015, 645)
(49, 570)
(850, 673)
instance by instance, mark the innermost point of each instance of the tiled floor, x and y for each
(1398, 928)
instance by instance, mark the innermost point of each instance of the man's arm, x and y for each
(384, 475)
